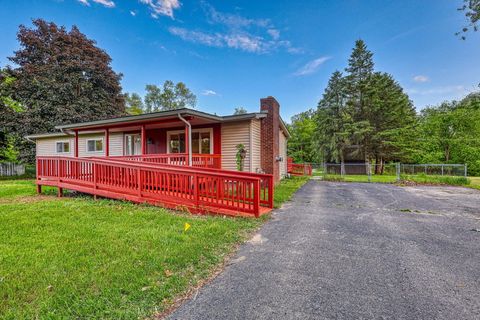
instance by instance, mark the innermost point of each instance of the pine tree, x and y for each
(359, 72)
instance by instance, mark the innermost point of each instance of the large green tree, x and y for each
(134, 103)
(449, 133)
(364, 114)
(172, 96)
(301, 146)
(61, 77)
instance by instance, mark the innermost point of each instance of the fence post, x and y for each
(369, 168)
(465, 170)
(397, 167)
(442, 169)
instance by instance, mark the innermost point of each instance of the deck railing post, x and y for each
(256, 198)
(196, 195)
(139, 181)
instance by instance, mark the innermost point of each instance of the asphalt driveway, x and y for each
(355, 251)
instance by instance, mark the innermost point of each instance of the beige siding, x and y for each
(256, 150)
(283, 153)
(47, 146)
(116, 144)
(233, 134)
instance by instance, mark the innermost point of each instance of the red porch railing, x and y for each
(266, 180)
(298, 169)
(179, 159)
(204, 190)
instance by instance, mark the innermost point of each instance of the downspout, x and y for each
(189, 138)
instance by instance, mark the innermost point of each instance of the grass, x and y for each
(286, 188)
(419, 178)
(362, 178)
(474, 182)
(78, 258)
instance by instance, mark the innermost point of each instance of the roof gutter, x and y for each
(189, 138)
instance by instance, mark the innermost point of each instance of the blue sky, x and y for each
(231, 52)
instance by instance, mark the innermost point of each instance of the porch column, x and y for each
(187, 145)
(144, 144)
(76, 144)
(107, 142)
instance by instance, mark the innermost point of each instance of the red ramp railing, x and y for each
(206, 191)
(298, 169)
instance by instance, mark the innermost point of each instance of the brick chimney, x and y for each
(270, 137)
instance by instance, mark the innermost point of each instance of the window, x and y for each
(95, 145)
(63, 147)
(202, 141)
(133, 144)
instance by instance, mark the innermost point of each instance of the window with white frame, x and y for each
(202, 141)
(94, 145)
(62, 146)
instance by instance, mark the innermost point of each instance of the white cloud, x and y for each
(133, 13)
(106, 3)
(420, 78)
(236, 32)
(232, 20)
(243, 42)
(162, 7)
(274, 33)
(209, 93)
(311, 67)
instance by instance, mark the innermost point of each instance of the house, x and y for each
(185, 141)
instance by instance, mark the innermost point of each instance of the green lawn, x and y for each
(474, 182)
(78, 258)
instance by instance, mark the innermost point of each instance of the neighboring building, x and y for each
(212, 138)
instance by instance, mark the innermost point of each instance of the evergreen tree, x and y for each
(359, 72)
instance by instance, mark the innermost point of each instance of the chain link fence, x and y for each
(393, 172)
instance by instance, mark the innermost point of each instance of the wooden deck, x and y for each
(192, 189)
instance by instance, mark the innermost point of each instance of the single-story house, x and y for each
(183, 138)
(263, 134)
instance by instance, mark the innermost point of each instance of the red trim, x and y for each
(129, 125)
(144, 139)
(76, 143)
(107, 142)
(187, 162)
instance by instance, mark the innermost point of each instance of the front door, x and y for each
(133, 144)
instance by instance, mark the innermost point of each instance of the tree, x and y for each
(301, 146)
(172, 97)
(62, 77)
(471, 8)
(391, 118)
(359, 72)
(449, 133)
(240, 110)
(9, 110)
(134, 103)
(365, 115)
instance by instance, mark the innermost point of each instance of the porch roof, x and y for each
(160, 116)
